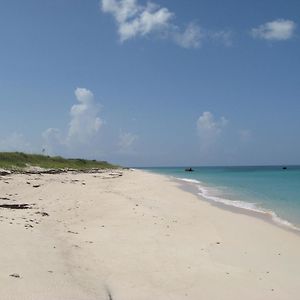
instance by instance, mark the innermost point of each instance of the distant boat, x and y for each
(284, 168)
(189, 170)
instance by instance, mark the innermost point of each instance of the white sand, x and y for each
(136, 237)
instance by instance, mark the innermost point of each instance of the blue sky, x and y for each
(167, 82)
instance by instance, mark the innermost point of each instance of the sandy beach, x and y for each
(134, 235)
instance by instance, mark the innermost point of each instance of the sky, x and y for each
(152, 83)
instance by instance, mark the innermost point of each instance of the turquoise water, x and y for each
(270, 190)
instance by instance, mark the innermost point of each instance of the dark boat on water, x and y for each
(189, 170)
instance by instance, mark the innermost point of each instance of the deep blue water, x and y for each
(264, 189)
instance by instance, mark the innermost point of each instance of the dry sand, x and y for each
(135, 237)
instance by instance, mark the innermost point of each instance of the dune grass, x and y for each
(19, 160)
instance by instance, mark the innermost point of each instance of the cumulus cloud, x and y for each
(134, 20)
(126, 142)
(83, 128)
(15, 142)
(278, 30)
(85, 121)
(137, 20)
(209, 128)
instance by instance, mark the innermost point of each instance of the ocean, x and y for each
(268, 190)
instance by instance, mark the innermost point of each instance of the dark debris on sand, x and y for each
(15, 206)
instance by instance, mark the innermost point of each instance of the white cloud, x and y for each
(126, 142)
(15, 142)
(134, 20)
(194, 36)
(209, 128)
(83, 127)
(278, 30)
(191, 37)
(122, 10)
(85, 122)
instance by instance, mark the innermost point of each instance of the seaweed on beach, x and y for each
(15, 206)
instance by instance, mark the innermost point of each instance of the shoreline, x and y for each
(265, 216)
(192, 186)
(135, 235)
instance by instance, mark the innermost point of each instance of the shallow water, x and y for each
(270, 189)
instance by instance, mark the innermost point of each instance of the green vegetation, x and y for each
(19, 160)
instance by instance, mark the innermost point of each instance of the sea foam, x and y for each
(206, 193)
